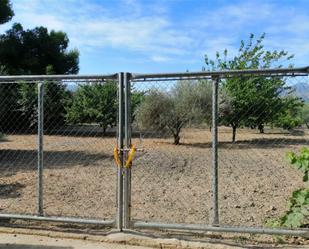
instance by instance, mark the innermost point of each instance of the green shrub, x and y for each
(300, 162)
(298, 211)
(298, 204)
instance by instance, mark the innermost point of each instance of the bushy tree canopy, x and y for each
(33, 51)
(6, 11)
(56, 98)
(95, 103)
(187, 102)
(256, 100)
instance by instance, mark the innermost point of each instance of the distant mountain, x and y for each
(302, 91)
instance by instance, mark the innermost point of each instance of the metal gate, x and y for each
(152, 213)
(95, 175)
(51, 171)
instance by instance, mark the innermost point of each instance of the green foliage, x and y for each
(298, 205)
(33, 51)
(8, 105)
(153, 111)
(188, 102)
(287, 120)
(95, 103)
(56, 98)
(136, 99)
(251, 101)
(298, 211)
(27, 103)
(300, 162)
(290, 116)
(6, 12)
(305, 115)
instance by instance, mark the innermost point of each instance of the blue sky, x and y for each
(171, 35)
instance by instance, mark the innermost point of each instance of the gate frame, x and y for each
(123, 216)
(39, 80)
(215, 76)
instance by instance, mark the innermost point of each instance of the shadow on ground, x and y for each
(87, 131)
(13, 161)
(10, 190)
(258, 143)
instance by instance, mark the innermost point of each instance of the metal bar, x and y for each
(56, 77)
(120, 146)
(57, 219)
(127, 175)
(215, 209)
(207, 77)
(302, 70)
(77, 81)
(195, 227)
(40, 148)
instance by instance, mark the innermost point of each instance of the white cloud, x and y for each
(159, 58)
(149, 29)
(150, 33)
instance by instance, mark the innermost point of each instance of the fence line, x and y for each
(123, 219)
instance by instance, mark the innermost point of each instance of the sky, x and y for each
(146, 36)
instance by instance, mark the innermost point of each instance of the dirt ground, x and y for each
(169, 183)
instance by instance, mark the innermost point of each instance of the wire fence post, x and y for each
(40, 148)
(215, 210)
(127, 175)
(120, 148)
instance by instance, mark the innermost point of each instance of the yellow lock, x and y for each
(116, 157)
(130, 157)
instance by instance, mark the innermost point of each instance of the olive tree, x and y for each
(186, 103)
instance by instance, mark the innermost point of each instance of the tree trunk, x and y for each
(307, 124)
(176, 139)
(234, 133)
(104, 130)
(261, 128)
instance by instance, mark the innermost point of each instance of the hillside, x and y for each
(302, 90)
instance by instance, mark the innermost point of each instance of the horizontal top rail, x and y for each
(302, 71)
(32, 78)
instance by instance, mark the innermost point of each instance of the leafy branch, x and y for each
(300, 162)
(298, 204)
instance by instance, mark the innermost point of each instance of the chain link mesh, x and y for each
(172, 183)
(172, 168)
(79, 173)
(18, 155)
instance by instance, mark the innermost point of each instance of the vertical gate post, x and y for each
(215, 210)
(127, 170)
(119, 217)
(40, 148)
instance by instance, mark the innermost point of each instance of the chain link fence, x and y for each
(217, 153)
(18, 155)
(56, 163)
(209, 149)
